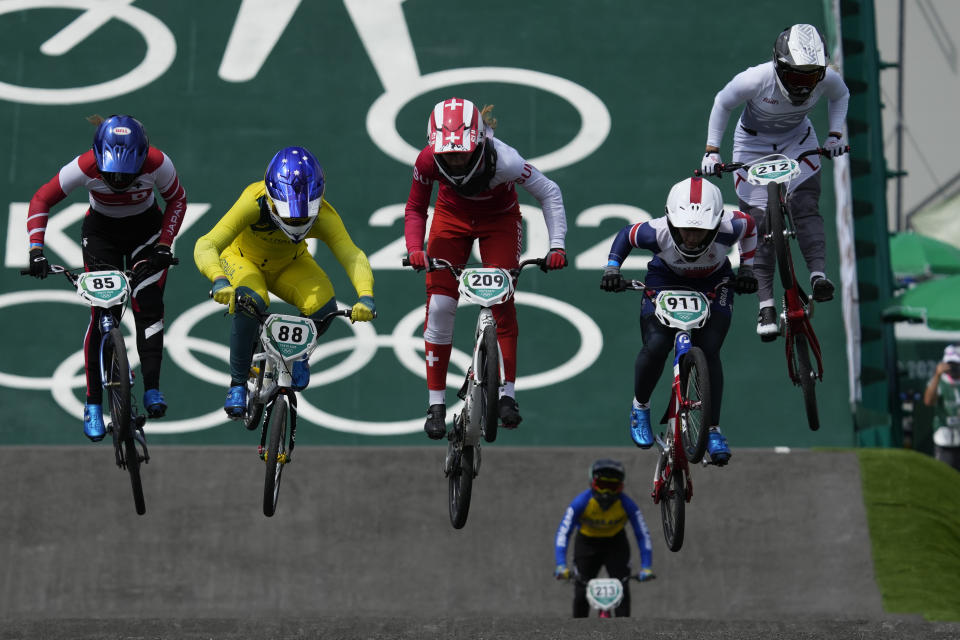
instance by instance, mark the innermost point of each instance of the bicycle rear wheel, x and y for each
(801, 363)
(276, 454)
(488, 374)
(673, 498)
(777, 227)
(117, 386)
(461, 487)
(695, 412)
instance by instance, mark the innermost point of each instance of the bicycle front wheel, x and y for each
(801, 363)
(276, 454)
(673, 498)
(117, 386)
(461, 487)
(778, 228)
(489, 377)
(696, 405)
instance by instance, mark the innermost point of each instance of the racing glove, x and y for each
(223, 293)
(364, 310)
(561, 572)
(833, 146)
(418, 260)
(745, 282)
(39, 267)
(161, 258)
(556, 258)
(710, 166)
(611, 280)
(646, 574)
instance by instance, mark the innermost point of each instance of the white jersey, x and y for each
(767, 112)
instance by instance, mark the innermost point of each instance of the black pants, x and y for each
(589, 554)
(118, 243)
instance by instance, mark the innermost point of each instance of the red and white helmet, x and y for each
(456, 127)
(694, 203)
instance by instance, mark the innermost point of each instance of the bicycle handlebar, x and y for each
(729, 167)
(58, 268)
(435, 264)
(245, 303)
(639, 285)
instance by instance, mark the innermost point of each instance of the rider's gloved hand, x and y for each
(418, 260)
(710, 165)
(611, 280)
(561, 572)
(833, 146)
(646, 574)
(223, 293)
(556, 258)
(39, 267)
(161, 258)
(745, 282)
(363, 310)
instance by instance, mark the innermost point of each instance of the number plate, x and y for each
(290, 336)
(486, 286)
(773, 169)
(684, 309)
(102, 288)
(604, 593)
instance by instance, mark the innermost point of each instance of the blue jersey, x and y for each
(586, 514)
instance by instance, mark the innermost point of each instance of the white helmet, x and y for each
(800, 60)
(694, 203)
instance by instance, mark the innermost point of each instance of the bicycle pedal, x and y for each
(254, 372)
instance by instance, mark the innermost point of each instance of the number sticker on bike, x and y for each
(604, 593)
(774, 168)
(290, 336)
(682, 309)
(102, 288)
(486, 285)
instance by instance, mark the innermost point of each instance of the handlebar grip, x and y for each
(405, 262)
(24, 272)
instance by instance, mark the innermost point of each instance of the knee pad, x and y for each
(441, 313)
(253, 297)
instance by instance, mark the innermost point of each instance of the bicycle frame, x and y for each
(674, 456)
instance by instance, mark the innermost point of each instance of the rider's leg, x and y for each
(763, 265)
(657, 343)
(805, 210)
(617, 561)
(306, 286)
(710, 338)
(500, 238)
(587, 558)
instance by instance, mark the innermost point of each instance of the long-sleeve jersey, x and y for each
(499, 197)
(157, 172)
(767, 112)
(593, 521)
(654, 236)
(248, 226)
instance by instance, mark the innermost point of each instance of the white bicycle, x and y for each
(487, 287)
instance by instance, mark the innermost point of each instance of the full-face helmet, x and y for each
(694, 211)
(295, 186)
(457, 134)
(800, 59)
(951, 356)
(606, 481)
(120, 147)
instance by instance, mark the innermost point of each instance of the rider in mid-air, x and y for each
(690, 246)
(778, 95)
(259, 246)
(477, 200)
(600, 515)
(123, 225)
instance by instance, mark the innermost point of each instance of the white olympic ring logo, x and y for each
(363, 345)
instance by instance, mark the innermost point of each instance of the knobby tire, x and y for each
(461, 487)
(276, 447)
(801, 351)
(777, 227)
(118, 390)
(489, 378)
(672, 509)
(695, 421)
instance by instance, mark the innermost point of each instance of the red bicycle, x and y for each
(775, 172)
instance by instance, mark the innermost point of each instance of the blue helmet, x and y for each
(120, 146)
(295, 185)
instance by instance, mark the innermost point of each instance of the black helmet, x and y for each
(800, 59)
(606, 481)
